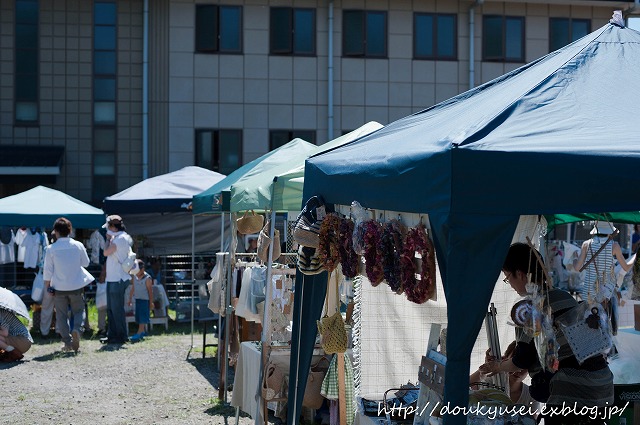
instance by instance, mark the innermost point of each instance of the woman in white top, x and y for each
(116, 250)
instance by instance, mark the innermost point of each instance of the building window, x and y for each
(563, 31)
(293, 31)
(364, 33)
(26, 86)
(435, 36)
(503, 39)
(219, 150)
(105, 142)
(279, 138)
(218, 29)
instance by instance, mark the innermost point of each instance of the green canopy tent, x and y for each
(279, 188)
(217, 198)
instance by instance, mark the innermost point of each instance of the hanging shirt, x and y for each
(7, 251)
(20, 236)
(32, 243)
(97, 244)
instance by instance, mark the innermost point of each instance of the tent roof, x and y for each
(561, 115)
(478, 161)
(41, 206)
(217, 197)
(283, 182)
(165, 193)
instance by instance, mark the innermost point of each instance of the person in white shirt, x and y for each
(64, 271)
(116, 250)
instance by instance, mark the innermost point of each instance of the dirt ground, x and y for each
(157, 381)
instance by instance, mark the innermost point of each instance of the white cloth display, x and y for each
(96, 243)
(7, 251)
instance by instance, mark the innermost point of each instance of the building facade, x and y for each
(96, 95)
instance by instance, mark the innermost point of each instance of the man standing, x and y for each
(116, 250)
(65, 274)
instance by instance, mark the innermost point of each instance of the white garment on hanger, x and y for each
(96, 243)
(32, 243)
(7, 251)
(20, 235)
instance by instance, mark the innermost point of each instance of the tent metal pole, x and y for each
(193, 270)
(222, 265)
(265, 316)
(232, 252)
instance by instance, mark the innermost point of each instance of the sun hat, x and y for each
(604, 229)
(111, 219)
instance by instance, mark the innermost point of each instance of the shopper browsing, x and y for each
(116, 250)
(142, 293)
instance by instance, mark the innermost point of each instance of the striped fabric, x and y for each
(586, 388)
(601, 270)
(16, 328)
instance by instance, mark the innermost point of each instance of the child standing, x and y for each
(141, 290)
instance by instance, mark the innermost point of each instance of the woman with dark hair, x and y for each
(588, 384)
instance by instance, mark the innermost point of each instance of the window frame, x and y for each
(569, 30)
(218, 30)
(503, 57)
(434, 37)
(291, 50)
(215, 151)
(365, 52)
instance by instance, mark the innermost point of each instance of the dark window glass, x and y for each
(279, 138)
(26, 36)
(503, 38)
(104, 89)
(219, 150)
(376, 41)
(104, 13)
(281, 30)
(446, 36)
(26, 72)
(563, 31)
(514, 48)
(292, 31)
(304, 31)
(230, 27)
(27, 11)
(435, 36)
(104, 38)
(206, 28)
(218, 29)
(364, 33)
(104, 62)
(353, 33)
(423, 36)
(27, 62)
(27, 87)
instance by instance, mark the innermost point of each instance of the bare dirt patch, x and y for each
(157, 381)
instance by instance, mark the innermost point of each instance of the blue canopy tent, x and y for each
(478, 161)
(41, 206)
